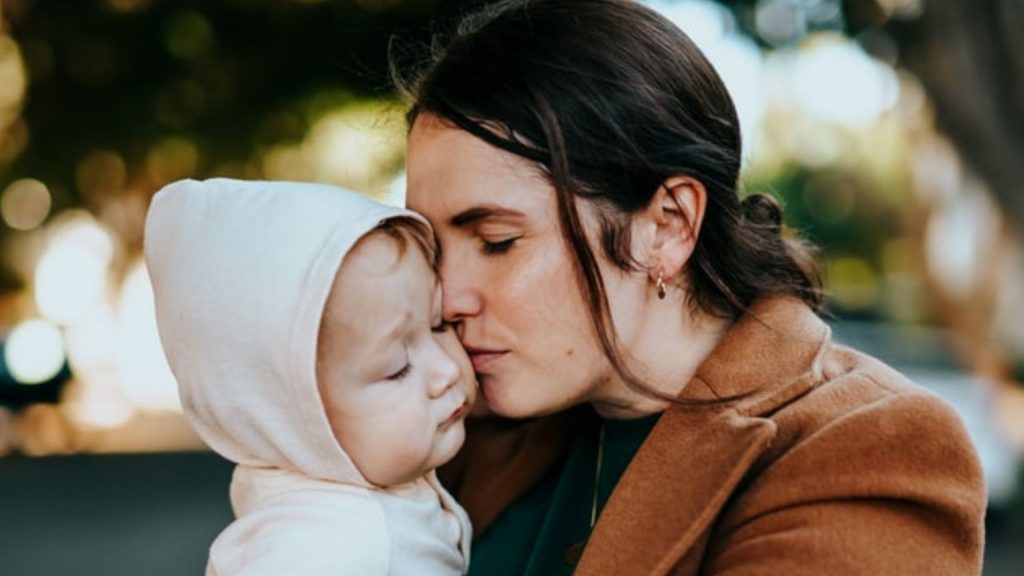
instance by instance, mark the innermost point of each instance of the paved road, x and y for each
(129, 515)
(155, 515)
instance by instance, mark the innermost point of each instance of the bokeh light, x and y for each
(959, 235)
(12, 80)
(7, 431)
(189, 35)
(34, 352)
(44, 430)
(72, 274)
(91, 342)
(25, 204)
(902, 9)
(144, 375)
(836, 81)
(172, 158)
(853, 281)
(780, 21)
(97, 403)
(736, 57)
(101, 174)
(357, 146)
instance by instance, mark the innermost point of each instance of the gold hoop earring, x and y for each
(660, 285)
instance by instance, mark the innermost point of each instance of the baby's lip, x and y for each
(457, 414)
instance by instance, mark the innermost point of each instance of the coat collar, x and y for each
(694, 457)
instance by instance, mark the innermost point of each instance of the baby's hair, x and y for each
(405, 231)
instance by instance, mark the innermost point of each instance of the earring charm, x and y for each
(660, 285)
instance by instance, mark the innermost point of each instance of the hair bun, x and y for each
(762, 210)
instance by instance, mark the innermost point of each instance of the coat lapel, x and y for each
(694, 458)
(661, 507)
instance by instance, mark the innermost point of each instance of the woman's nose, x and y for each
(461, 298)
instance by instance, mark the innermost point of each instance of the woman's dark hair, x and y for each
(611, 99)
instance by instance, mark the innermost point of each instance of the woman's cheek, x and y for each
(533, 273)
(480, 408)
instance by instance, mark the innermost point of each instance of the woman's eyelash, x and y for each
(401, 373)
(442, 327)
(499, 247)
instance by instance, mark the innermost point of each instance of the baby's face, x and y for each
(395, 382)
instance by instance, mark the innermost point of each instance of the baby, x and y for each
(303, 325)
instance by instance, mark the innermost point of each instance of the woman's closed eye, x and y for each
(441, 327)
(500, 247)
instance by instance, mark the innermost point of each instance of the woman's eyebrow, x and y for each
(478, 213)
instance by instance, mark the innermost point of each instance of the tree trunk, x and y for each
(970, 58)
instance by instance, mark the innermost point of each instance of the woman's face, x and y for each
(509, 280)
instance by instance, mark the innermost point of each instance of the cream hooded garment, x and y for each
(241, 272)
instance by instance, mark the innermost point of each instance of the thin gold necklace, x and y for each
(597, 474)
(575, 552)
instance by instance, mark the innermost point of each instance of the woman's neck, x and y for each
(664, 353)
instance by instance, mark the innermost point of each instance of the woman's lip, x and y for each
(483, 358)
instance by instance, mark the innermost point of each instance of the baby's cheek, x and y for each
(411, 438)
(467, 379)
(456, 352)
(470, 387)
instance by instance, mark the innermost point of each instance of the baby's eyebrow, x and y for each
(477, 213)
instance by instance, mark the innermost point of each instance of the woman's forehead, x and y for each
(436, 146)
(454, 175)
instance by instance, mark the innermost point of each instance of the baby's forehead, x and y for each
(381, 289)
(379, 274)
(380, 253)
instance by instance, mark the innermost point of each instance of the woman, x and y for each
(667, 400)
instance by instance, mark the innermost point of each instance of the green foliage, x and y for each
(229, 77)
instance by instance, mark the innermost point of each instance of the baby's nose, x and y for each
(446, 374)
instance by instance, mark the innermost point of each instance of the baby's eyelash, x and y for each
(441, 327)
(401, 373)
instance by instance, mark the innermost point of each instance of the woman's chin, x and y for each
(514, 402)
(510, 411)
(496, 401)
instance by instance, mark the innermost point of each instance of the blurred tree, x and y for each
(125, 95)
(149, 90)
(968, 55)
(119, 74)
(229, 77)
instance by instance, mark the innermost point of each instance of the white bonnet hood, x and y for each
(241, 272)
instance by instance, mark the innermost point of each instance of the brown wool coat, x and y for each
(831, 464)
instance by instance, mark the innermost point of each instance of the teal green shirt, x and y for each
(542, 533)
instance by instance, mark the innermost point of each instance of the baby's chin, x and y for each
(446, 445)
(451, 442)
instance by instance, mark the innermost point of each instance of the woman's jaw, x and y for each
(514, 389)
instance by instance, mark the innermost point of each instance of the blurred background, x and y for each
(892, 130)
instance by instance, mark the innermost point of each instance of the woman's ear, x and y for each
(672, 220)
